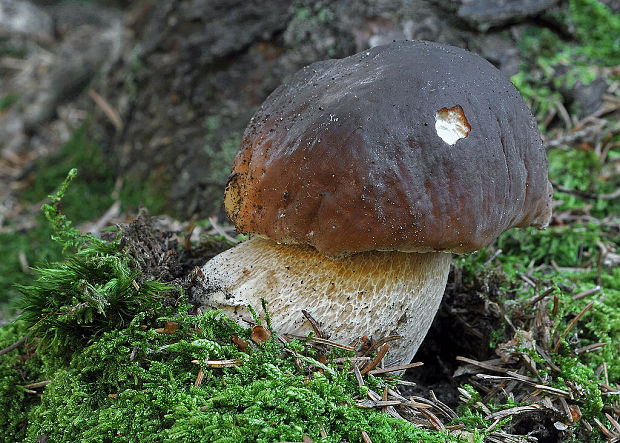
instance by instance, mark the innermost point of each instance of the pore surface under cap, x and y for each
(346, 155)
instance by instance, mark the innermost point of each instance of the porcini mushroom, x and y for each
(358, 177)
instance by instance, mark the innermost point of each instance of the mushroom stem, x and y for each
(377, 293)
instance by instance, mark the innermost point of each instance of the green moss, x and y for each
(116, 376)
(581, 170)
(106, 394)
(17, 369)
(8, 48)
(598, 29)
(90, 195)
(549, 64)
(92, 192)
(575, 249)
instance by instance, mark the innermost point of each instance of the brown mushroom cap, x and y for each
(346, 157)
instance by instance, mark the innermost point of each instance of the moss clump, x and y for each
(91, 194)
(128, 363)
(18, 368)
(137, 384)
(581, 170)
(551, 64)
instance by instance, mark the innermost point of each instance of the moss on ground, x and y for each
(551, 65)
(91, 194)
(121, 360)
(118, 353)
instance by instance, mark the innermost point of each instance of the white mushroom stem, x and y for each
(376, 294)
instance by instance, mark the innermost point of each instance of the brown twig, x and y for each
(432, 419)
(540, 297)
(219, 363)
(571, 324)
(107, 110)
(321, 341)
(217, 228)
(489, 260)
(365, 436)
(199, 378)
(375, 361)
(15, 345)
(381, 342)
(584, 294)
(395, 368)
(481, 364)
(314, 324)
(38, 384)
(587, 195)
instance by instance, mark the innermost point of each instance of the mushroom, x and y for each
(359, 177)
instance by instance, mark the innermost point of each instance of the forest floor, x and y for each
(525, 346)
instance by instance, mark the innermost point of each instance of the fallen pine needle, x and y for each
(219, 363)
(571, 324)
(375, 361)
(395, 368)
(38, 384)
(199, 378)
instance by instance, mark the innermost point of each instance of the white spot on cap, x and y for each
(451, 124)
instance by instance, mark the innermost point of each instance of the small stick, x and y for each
(313, 323)
(571, 324)
(376, 360)
(493, 426)
(23, 262)
(527, 280)
(217, 228)
(38, 384)
(365, 436)
(107, 110)
(590, 348)
(219, 363)
(379, 343)
(603, 429)
(358, 376)
(489, 260)
(351, 359)
(540, 297)
(199, 378)
(584, 294)
(556, 305)
(614, 423)
(432, 419)
(395, 368)
(587, 195)
(15, 345)
(480, 364)
(321, 341)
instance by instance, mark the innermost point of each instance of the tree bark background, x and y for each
(168, 86)
(194, 71)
